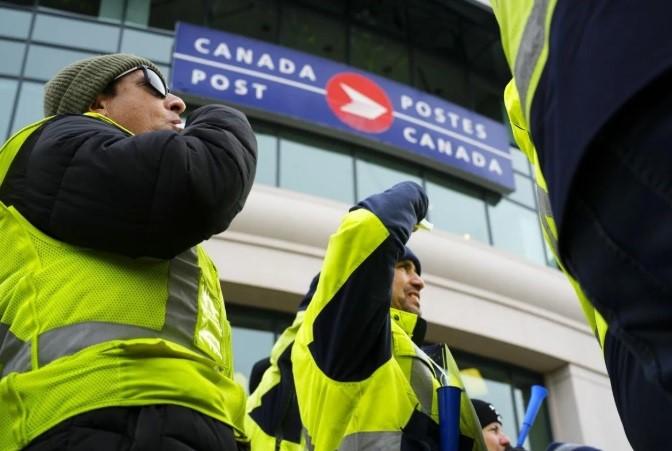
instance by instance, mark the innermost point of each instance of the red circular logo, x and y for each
(359, 102)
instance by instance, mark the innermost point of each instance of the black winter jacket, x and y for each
(86, 182)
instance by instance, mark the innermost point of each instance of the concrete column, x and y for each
(582, 409)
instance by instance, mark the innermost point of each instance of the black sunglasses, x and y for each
(151, 78)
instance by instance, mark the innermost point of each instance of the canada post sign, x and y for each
(282, 81)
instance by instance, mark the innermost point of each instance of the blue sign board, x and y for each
(288, 83)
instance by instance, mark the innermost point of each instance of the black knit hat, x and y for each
(76, 86)
(486, 412)
(409, 255)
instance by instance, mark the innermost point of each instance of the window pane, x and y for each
(519, 160)
(254, 19)
(374, 175)
(21, 2)
(249, 346)
(152, 46)
(388, 16)
(316, 171)
(524, 192)
(45, 62)
(267, 159)
(441, 77)
(380, 55)
(312, 32)
(88, 7)
(14, 24)
(487, 97)
(435, 28)
(508, 389)
(12, 57)
(30, 105)
(457, 209)
(137, 12)
(111, 11)
(7, 95)
(76, 33)
(516, 229)
(164, 13)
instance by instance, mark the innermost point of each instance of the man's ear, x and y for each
(99, 104)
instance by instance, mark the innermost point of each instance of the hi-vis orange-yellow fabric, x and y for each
(82, 330)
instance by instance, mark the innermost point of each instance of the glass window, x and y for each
(111, 10)
(256, 19)
(375, 53)
(45, 62)
(30, 105)
(88, 7)
(435, 29)
(254, 333)
(524, 192)
(388, 16)
(21, 2)
(12, 57)
(164, 13)
(7, 94)
(267, 159)
(137, 12)
(152, 46)
(76, 33)
(374, 175)
(441, 77)
(507, 388)
(519, 160)
(482, 46)
(331, 6)
(249, 346)
(13, 23)
(457, 209)
(516, 229)
(313, 170)
(312, 32)
(487, 97)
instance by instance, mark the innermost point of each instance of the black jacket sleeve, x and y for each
(155, 194)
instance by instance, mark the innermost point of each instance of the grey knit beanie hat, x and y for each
(76, 86)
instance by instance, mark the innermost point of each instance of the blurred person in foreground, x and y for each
(588, 105)
(113, 332)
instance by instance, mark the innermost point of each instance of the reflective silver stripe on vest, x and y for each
(14, 353)
(544, 211)
(179, 325)
(308, 443)
(371, 441)
(531, 46)
(421, 382)
(422, 377)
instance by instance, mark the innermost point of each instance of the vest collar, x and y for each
(108, 120)
(414, 326)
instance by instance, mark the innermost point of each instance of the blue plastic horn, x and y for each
(449, 417)
(537, 397)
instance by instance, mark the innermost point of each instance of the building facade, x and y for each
(492, 292)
